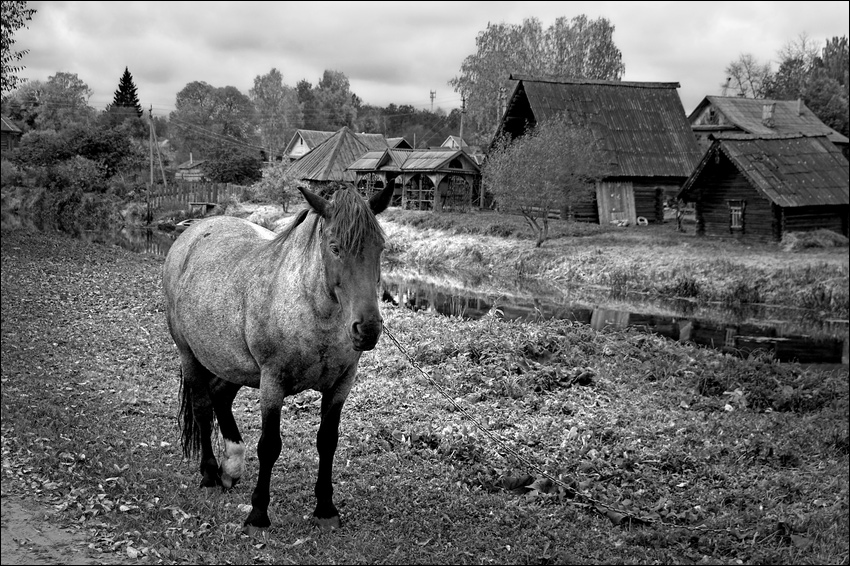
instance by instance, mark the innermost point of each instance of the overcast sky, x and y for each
(391, 52)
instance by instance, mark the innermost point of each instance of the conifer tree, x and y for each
(125, 96)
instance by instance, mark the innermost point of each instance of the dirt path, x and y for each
(30, 535)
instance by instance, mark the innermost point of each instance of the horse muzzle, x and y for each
(364, 335)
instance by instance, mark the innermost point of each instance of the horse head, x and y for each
(351, 244)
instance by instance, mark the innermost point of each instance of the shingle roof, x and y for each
(413, 160)
(789, 117)
(7, 125)
(642, 125)
(328, 160)
(789, 170)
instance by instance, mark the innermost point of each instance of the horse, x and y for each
(280, 312)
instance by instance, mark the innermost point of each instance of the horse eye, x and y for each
(334, 248)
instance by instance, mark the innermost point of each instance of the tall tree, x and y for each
(207, 119)
(550, 168)
(126, 97)
(576, 48)
(277, 111)
(336, 106)
(63, 102)
(15, 16)
(747, 77)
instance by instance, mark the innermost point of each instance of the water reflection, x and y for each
(732, 336)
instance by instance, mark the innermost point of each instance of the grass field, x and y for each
(475, 442)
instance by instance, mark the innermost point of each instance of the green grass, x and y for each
(726, 459)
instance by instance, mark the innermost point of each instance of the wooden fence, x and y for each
(185, 193)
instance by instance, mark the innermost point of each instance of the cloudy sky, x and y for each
(391, 52)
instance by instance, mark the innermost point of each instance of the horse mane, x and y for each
(351, 217)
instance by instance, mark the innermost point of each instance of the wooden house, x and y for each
(437, 179)
(736, 115)
(190, 170)
(647, 141)
(10, 134)
(761, 187)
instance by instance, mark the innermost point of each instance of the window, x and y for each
(736, 215)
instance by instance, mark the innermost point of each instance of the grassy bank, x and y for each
(600, 447)
(638, 261)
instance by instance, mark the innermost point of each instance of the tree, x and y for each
(746, 77)
(821, 81)
(335, 104)
(577, 48)
(63, 102)
(126, 99)
(208, 119)
(237, 165)
(548, 169)
(15, 16)
(278, 112)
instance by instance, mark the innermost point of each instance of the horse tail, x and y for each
(191, 435)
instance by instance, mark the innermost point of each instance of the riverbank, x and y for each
(715, 459)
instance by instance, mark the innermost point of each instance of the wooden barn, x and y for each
(649, 145)
(10, 134)
(761, 187)
(736, 115)
(437, 179)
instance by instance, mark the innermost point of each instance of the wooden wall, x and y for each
(814, 217)
(721, 183)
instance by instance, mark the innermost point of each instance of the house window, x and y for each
(736, 215)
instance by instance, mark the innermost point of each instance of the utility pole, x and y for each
(433, 94)
(150, 138)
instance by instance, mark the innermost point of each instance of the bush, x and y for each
(10, 174)
(79, 173)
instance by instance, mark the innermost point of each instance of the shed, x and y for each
(438, 179)
(736, 115)
(10, 134)
(190, 170)
(647, 140)
(761, 187)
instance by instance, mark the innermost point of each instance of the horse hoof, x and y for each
(325, 523)
(228, 482)
(253, 531)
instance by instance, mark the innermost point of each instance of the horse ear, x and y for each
(380, 201)
(316, 202)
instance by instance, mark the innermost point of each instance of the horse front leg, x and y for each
(326, 514)
(268, 450)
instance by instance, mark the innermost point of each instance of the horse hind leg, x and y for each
(233, 464)
(196, 410)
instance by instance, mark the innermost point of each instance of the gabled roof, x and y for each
(398, 143)
(454, 141)
(328, 160)
(641, 125)
(313, 138)
(7, 125)
(415, 161)
(789, 117)
(791, 170)
(191, 164)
